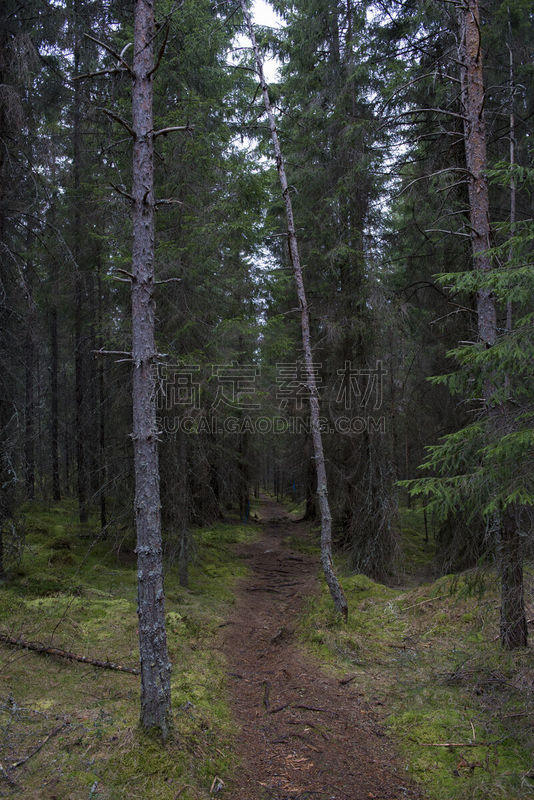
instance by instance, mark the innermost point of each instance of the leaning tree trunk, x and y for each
(513, 619)
(322, 491)
(155, 664)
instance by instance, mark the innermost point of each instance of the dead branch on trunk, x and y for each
(111, 51)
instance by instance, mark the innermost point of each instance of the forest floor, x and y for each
(274, 696)
(305, 734)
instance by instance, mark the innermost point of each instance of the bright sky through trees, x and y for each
(264, 14)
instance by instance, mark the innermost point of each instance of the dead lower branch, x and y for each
(112, 52)
(161, 51)
(122, 192)
(172, 129)
(168, 201)
(120, 120)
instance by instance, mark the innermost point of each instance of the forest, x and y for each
(266, 399)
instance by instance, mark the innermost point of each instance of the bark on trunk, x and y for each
(244, 496)
(472, 83)
(29, 398)
(54, 427)
(336, 591)
(92, 437)
(101, 411)
(310, 512)
(183, 495)
(155, 664)
(512, 162)
(79, 371)
(513, 618)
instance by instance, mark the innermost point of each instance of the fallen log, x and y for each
(37, 647)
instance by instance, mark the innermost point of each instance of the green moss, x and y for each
(429, 655)
(305, 540)
(74, 593)
(418, 553)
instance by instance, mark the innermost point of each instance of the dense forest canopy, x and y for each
(329, 295)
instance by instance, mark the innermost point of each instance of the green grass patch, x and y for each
(72, 591)
(305, 540)
(418, 543)
(428, 657)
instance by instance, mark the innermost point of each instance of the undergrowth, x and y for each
(72, 592)
(428, 657)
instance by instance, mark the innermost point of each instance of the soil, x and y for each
(303, 734)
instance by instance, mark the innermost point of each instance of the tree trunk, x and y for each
(310, 512)
(244, 496)
(103, 473)
(155, 664)
(29, 395)
(513, 618)
(67, 426)
(79, 372)
(183, 486)
(93, 424)
(336, 591)
(472, 84)
(54, 427)
(512, 162)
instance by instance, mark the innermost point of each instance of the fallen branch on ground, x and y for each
(266, 690)
(279, 708)
(458, 744)
(40, 745)
(37, 647)
(424, 602)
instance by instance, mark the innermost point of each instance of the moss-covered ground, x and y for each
(427, 656)
(73, 592)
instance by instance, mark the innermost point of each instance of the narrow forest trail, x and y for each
(303, 735)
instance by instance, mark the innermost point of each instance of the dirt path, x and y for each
(303, 735)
